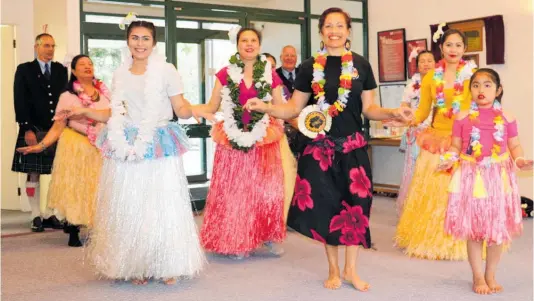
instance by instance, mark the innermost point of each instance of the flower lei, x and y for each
(345, 82)
(244, 136)
(498, 135)
(121, 148)
(463, 72)
(91, 129)
(415, 89)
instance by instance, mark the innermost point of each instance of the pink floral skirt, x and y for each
(333, 191)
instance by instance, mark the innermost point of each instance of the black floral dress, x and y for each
(333, 190)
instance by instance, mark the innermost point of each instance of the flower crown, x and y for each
(438, 32)
(130, 17)
(413, 54)
(232, 34)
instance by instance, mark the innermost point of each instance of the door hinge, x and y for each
(14, 43)
(18, 191)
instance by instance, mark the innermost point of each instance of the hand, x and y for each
(445, 165)
(524, 164)
(256, 104)
(34, 149)
(30, 138)
(395, 122)
(198, 113)
(71, 113)
(403, 113)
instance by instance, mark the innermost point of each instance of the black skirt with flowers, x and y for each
(333, 191)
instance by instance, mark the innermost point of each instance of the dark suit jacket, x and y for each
(36, 97)
(286, 82)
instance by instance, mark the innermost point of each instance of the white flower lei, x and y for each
(234, 133)
(414, 94)
(119, 145)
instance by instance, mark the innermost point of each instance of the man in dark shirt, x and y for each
(37, 87)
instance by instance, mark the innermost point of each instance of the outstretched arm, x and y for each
(77, 112)
(285, 111)
(51, 137)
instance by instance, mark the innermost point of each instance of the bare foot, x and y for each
(169, 281)
(334, 281)
(356, 281)
(140, 281)
(493, 285)
(481, 287)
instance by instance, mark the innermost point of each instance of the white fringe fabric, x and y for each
(144, 225)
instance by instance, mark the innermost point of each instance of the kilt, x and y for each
(40, 163)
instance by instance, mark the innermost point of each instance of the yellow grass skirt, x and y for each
(75, 176)
(420, 231)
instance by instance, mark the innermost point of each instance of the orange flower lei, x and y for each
(458, 88)
(345, 82)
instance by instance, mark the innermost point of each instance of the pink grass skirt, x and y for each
(244, 207)
(484, 201)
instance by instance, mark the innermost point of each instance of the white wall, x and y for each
(28, 16)
(20, 14)
(291, 5)
(516, 74)
(63, 20)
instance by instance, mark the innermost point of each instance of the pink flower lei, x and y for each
(91, 129)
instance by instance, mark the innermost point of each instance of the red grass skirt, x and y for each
(245, 202)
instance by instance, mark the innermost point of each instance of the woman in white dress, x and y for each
(144, 227)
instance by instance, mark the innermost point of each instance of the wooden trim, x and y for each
(386, 188)
(384, 142)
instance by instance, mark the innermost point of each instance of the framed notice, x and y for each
(471, 57)
(413, 48)
(391, 55)
(473, 31)
(391, 95)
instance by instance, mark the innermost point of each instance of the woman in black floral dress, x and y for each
(333, 191)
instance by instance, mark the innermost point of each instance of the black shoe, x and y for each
(52, 222)
(66, 227)
(74, 236)
(37, 225)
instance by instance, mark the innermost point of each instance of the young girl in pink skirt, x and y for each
(484, 201)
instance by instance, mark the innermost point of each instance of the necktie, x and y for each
(47, 72)
(291, 79)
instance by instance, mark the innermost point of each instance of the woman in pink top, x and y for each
(244, 207)
(484, 202)
(76, 169)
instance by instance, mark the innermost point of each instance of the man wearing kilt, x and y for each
(37, 87)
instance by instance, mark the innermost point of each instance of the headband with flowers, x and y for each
(438, 32)
(232, 34)
(130, 17)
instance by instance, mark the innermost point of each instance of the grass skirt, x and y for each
(245, 202)
(75, 178)
(484, 201)
(420, 231)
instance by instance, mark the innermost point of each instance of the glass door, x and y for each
(273, 42)
(202, 49)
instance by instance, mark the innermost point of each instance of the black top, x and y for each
(35, 96)
(350, 120)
